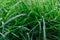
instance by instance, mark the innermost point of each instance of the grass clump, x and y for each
(29, 20)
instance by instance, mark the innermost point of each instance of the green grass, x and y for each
(29, 20)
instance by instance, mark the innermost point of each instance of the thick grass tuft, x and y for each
(29, 20)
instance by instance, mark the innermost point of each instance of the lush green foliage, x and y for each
(29, 20)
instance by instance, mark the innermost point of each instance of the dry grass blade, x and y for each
(44, 29)
(9, 20)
